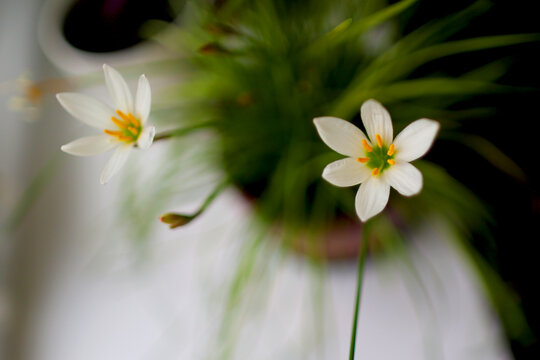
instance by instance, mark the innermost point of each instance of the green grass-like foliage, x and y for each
(255, 73)
(262, 70)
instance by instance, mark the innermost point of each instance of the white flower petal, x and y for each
(88, 110)
(377, 120)
(405, 178)
(143, 100)
(115, 163)
(371, 198)
(416, 139)
(341, 136)
(346, 172)
(146, 137)
(118, 89)
(90, 145)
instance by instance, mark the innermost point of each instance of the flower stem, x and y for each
(175, 220)
(182, 131)
(362, 252)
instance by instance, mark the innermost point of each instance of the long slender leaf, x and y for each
(350, 29)
(347, 105)
(406, 64)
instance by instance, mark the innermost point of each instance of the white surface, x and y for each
(102, 305)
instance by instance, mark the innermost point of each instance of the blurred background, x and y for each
(87, 271)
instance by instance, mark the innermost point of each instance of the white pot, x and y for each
(73, 61)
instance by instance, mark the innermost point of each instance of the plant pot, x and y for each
(72, 60)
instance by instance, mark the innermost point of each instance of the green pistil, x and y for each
(132, 132)
(378, 158)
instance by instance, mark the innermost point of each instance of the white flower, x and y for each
(379, 161)
(122, 128)
(26, 98)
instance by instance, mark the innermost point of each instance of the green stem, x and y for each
(182, 131)
(362, 252)
(222, 186)
(175, 220)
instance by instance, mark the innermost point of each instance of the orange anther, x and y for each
(34, 93)
(133, 120)
(133, 130)
(379, 140)
(391, 162)
(129, 118)
(112, 133)
(123, 116)
(375, 172)
(390, 150)
(118, 123)
(362, 160)
(366, 146)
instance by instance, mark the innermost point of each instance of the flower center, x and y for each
(379, 158)
(129, 127)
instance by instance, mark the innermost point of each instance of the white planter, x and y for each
(73, 61)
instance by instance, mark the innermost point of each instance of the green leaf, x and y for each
(433, 32)
(491, 153)
(351, 30)
(34, 190)
(404, 65)
(347, 105)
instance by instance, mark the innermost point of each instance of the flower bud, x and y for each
(212, 49)
(175, 220)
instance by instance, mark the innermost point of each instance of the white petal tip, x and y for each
(371, 199)
(146, 138)
(61, 97)
(435, 124)
(371, 101)
(317, 122)
(364, 218)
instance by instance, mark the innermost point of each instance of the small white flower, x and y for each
(123, 127)
(26, 96)
(379, 161)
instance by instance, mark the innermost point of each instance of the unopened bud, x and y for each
(219, 29)
(176, 220)
(212, 49)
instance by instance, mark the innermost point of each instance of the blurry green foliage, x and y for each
(257, 72)
(262, 70)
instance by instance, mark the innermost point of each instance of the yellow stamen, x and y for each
(379, 140)
(133, 130)
(123, 116)
(119, 123)
(366, 146)
(113, 133)
(119, 135)
(390, 150)
(391, 162)
(34, 93)
(362, 160)
(133, 120)
(375, 171)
